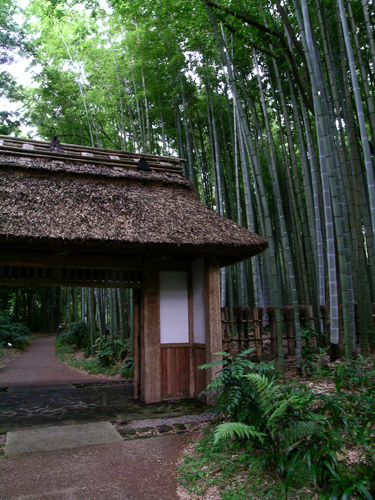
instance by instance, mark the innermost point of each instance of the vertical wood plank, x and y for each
(150, 336)
(212, 315)
(191, 336)
(136, 326)
(175, 371)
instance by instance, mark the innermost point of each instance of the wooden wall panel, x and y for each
(175, 380)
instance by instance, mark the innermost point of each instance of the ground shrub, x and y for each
(13, 334)
(301, 438)
(78, 335)
(109, 352)
(105, 358)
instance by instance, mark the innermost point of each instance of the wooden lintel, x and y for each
(73, 260)
(174, 264)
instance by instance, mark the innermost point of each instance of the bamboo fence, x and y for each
(255, 327)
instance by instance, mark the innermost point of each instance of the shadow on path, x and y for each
(37, 389)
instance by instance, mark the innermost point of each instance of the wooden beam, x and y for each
(174, 264)
(150, 335)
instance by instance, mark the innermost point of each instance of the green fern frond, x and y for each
(299, 430)
(233, 429)
(246, 352)
(210, 365)
(279, 411)
(262, 384)
(256, 466)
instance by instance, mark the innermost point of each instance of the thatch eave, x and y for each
(226, 254)
(63, 205)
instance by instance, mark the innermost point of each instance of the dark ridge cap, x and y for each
(20, 147)
(93, 149)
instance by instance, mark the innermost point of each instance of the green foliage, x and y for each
(127, 370)
(299, 433)
(13, 334)
(78, 335)
(234, 396)
(109, 352)
(91, 365)
(62, 347)
(313, 358)
(232, 429)
(105, 351)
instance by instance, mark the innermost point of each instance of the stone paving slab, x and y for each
(59, 438)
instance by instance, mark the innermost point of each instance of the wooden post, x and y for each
(246, 316)
(136, 325)
(287, 312)
(226, 329)
(238, 312)
(273, 332)
(191, 336)
(150, 335)
(212, 315)
(257, 330)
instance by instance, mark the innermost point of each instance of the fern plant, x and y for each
(235, 399)
(298, 432)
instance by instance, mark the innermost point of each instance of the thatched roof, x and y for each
(65, 202)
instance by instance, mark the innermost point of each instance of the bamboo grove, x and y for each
(271, 103)
(107, 312)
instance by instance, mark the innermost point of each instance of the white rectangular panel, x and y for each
(174, 308)
(199, 322)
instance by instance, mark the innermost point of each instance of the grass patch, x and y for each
(229, 468)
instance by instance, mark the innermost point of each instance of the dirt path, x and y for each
(140, 469)
(134, 470)
(38, 365)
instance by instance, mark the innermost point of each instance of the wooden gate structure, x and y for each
(78, 216)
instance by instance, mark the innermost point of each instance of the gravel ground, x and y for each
(156, 422)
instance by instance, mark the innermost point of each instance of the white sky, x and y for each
(18, 69)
